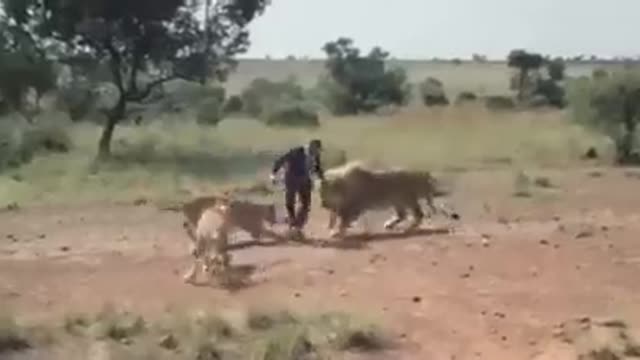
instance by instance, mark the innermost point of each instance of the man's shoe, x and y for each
(295, 233)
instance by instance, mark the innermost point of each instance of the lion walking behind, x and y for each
(351, 190)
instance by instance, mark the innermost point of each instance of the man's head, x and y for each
(315, 146)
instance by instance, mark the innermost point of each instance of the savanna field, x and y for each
(543, 263)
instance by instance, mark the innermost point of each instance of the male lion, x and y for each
(352, 189)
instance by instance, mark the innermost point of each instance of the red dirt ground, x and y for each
(565, 252)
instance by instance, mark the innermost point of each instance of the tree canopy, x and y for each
(164, 39)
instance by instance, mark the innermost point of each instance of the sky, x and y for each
(450, 28)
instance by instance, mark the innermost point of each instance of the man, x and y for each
(300, 163)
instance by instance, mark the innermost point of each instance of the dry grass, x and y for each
(172, 157)
(483, 79)
(200, 335)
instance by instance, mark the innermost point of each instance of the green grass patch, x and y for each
(261, 334)
(172, 158)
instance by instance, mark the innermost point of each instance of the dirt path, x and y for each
(493, 289)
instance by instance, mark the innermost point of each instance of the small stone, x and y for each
(416, 299)
(331, 271)
(168, 342)
(499, 315)
(556, 246)
(434, 263)
(584, 234)
(558, 332)
(544, 242)
(343, 293)
(465, 275)
(42, 236)
(297, 295)
(65, 248)
(485, 242)
(504, 338)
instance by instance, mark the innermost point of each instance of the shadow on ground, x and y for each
(349, 242)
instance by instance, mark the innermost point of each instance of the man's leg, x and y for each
(290, 201)
(304, 193)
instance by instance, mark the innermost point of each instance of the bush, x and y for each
(599, 73)
(263, 93)
(432, 92)
(233, 104)
(498, 102)
(294, 114)
(19, 145)
(610, 105)
(361, 83)
(466, 96)
(76, 100)
(210, 112)
(554, 94)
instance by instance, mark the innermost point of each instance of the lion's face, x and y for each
(330, 195)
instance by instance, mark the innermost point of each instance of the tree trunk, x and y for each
(113, 116)
(521, 83)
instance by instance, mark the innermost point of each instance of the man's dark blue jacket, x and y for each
(298, 165)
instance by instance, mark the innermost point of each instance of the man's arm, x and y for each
(280, 161)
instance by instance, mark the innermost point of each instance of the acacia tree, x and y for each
(23, 67)
(524, 62)
(161, 38)
(362, 83)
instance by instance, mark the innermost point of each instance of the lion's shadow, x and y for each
(348, 242)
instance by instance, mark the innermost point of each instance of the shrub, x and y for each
(611, 106)
(18, 145)
(466, 96)
(76, 100)
(599, 73)
(556, 69)
(361, 83)
(294, 114)
(498, 102)
(210, 112)
(233, 104)
(432, 92)
(263, 93)
(554, 94)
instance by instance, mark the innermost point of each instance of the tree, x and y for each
(23, 70)
(161, 38)
(611, 105)
(361, 83)
(524, 62)
(556, 69)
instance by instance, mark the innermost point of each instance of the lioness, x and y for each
(208, 236)
(352, 189)
(216, 222)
